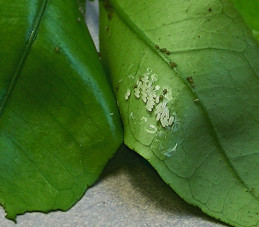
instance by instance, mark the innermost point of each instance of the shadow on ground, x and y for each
(148, 187)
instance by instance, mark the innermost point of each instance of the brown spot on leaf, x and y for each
(116, 88)
(108, 7)
(161, 97)
(110, 15)
(57, 49)
(191, 81)
(173, 65)
(163, 50)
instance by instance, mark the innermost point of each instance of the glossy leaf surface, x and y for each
(185, 74)
(59, 123)
(250, 11)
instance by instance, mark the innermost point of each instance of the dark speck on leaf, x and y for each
(57, 49)
(110, 14)
(191, 81)
(108, 7)
(173, 65)
(163, 50)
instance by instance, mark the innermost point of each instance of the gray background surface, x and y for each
(129, 192)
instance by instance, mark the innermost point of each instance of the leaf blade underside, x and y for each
(59, 124)
(212, 93)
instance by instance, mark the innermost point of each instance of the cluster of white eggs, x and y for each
(153, 97)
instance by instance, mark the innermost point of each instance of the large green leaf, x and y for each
(202, 132)
(58, 119)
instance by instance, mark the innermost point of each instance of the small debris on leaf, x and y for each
(173, 65)
(191, 81)
(57, 49)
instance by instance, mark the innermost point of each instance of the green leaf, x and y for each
(81, 6)
(59, 123)
(200, 61)
(250, 11)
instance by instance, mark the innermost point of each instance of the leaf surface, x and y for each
(59, 123)
(249, 10)
(185, 74)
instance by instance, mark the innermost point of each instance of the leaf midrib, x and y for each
(127, 20)
(24, 56)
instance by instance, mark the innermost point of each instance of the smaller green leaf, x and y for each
(249, 9)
